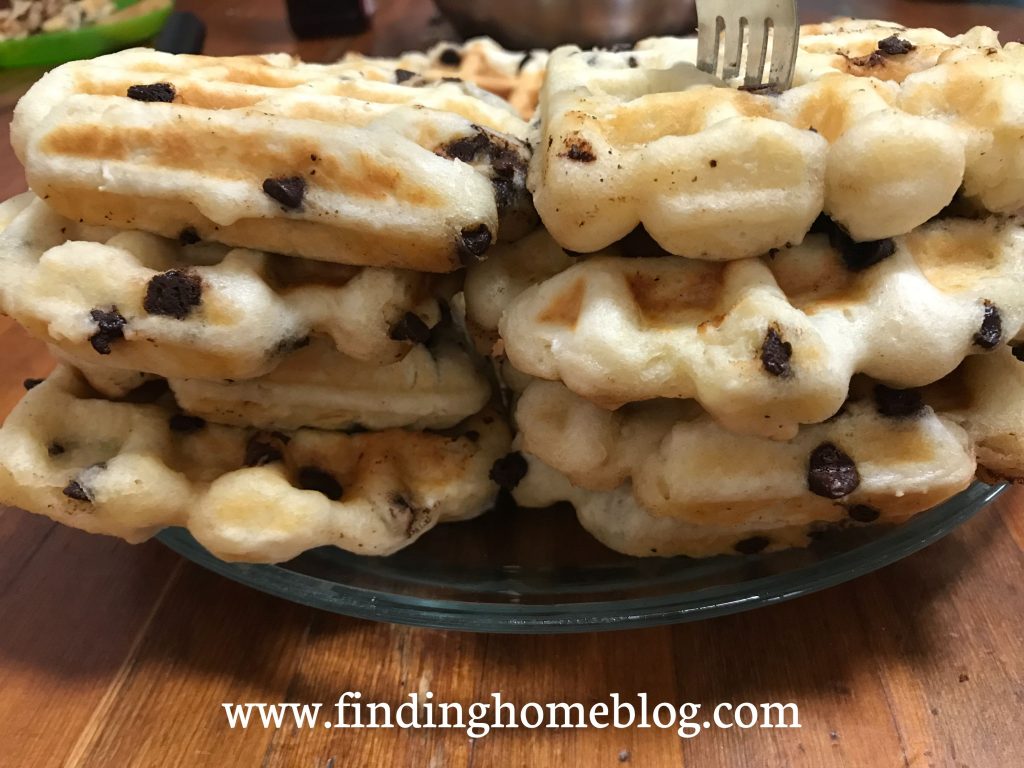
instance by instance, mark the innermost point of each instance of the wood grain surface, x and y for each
(113, 655)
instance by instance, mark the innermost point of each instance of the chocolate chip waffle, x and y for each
(185, 308)
(617, 521)
(266, 152)
(879, 132)
(130, 468)
(891, 453)
(763, 344)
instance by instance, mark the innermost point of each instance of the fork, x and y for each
(726, 24)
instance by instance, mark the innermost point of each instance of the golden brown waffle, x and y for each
(642, 137)
(316, 386)
(266, 152)
(889, 453)
(985, 396)
(130, 469)
(137, 301)
(763, 344)
(616, 520)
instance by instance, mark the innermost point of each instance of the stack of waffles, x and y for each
(245, 267)
(748, 316)
(754, 315)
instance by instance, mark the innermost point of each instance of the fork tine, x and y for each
(785, 37)
(757, 47)
(784, 49)
(732, 52)
(723, 33)
(709, 27)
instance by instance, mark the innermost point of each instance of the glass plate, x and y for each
(537, 571)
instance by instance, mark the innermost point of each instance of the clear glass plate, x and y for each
(535, 571)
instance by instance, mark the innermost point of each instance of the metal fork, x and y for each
(726, 24)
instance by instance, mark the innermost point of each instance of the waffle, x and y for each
(985, 395)
(130, 469)
(316, 386)
(683, 465)
(493, 284)
(767, 344)
(266, 152)
(515, 76)
(642, 137)
(617, 521)
(198, 310)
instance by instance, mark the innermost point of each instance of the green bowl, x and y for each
(50, 48)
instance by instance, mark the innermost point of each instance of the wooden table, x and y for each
(112, 655)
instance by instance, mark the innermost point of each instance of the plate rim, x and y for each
(599, 615)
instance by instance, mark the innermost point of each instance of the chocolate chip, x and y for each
(153, 92)
(188, 236)
(111, 324)
(633, 63)
(261, 450)
(473, 242)
(776, 353)
(751, 546)
(466, 148)
(75, 490)
(873, 59)
(831, 473)
(401, 75)
(713, 163)
(55, 449)
(185, 423)
(898, 403)
(450, 57)
(509, 470)
(857, 256)
(31, 383)
(1017, 349)
(991, 331)
(315, 479)
(862, 513)
(580, 150)
(410, 328)
(895, 46)
(288, 191)
(173, 293)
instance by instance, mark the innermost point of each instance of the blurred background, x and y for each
(39, 33)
